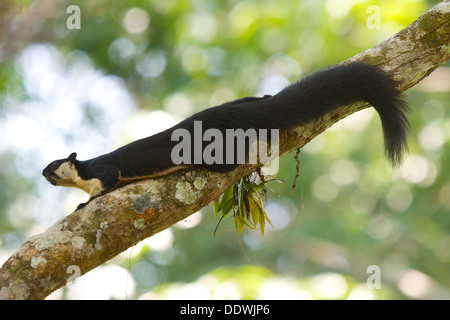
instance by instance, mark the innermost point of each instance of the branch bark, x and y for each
(110, 224)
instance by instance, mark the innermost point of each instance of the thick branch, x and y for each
(112, 223)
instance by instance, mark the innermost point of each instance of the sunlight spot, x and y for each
(316, 145)
(414, 284)
(193, 59)
(143, 124)
(358, 121)
(190, 222)
(241, 17)
(136, 20)
(282, 289)
(121, 50)
(163, 258)
(153, 64)
(22, 132)
(160, 241)
(178, 104)
(363, 202)
(399, 197)
(338, 8)
(431, 137)
(145, 274)
(221, 96)
(66, 114)
(380, 227)
(344, 172)
(324, 188)
(414, 169)
(40, 62)
(227, 290)
(328, 286)
(189, 291)
(132, 252)
(361, 292)
(283, 65)
(203, 27)
(280, 213)
(272, 85)
(97, 284)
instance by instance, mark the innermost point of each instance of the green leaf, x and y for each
(225, 204)
(244, 198)
(215, 205)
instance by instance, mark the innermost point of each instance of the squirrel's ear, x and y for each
(73, 157)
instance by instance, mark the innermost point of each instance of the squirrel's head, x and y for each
(62, 172)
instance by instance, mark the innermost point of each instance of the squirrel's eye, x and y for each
(54, 165)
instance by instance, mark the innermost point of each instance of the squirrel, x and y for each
(295, 105)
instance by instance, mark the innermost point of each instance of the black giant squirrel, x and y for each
(296, 105)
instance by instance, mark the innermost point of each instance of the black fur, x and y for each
(297, 104)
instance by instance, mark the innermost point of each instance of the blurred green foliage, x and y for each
(66, 90)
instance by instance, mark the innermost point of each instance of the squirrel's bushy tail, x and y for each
(325, 90)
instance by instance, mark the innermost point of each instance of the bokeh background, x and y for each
(137, 67)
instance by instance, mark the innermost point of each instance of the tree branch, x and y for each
(110, 224)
